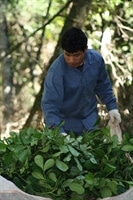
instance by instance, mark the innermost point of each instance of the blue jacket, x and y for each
(70, 94)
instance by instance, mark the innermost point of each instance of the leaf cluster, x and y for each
(45, 163)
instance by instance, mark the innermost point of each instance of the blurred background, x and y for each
(30, 33)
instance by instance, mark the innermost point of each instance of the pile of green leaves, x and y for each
(86, 167)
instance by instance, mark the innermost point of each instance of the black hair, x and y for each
(73, 40)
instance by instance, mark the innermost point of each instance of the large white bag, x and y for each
(128, 195)
(8, 191)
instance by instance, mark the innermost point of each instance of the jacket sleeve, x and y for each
(52, 98)
(104, 89)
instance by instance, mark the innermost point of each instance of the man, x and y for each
(73, 83)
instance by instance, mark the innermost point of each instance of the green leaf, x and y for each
(115, 140)
(109, 169)
(89, 178)
(100, 153)
(105, 192)
(74, 171)
(2, 146)
(93, 160)
(89, 165)
(67, 182)
(8, 158)
(102, 182)
(39, 161)
(63, 148)
(61, 165)
(37, 175)
(67, 158)
(18, 149)
(127, 148)
(57, 154)
(131, 140)
(46, 149)
(79, 166)
(48, 164)
(129, 182)
(53, 177)
(76, 187)
(23, 156)
(112, 185)
(83, 148)
(73, 151)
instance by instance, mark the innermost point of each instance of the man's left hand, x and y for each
(114, 116)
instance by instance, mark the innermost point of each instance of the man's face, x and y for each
(74, 59)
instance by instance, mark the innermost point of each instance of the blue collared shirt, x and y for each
(70, 95)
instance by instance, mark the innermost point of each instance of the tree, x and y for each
(32, 31)
(6, 65)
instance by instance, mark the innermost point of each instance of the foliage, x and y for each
(33, 29)
(45, 163)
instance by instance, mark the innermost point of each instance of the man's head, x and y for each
(74, 44)
(74, 40)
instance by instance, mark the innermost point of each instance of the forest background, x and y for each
(30, 32)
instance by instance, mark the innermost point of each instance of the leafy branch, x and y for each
(5, 54)
(93, 166)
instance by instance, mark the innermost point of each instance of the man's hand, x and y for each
(114, 120)
(64, 134)
(114, 116)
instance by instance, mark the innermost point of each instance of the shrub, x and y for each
(45, 163)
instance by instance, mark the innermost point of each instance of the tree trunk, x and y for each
(5, 67)
(76, 17)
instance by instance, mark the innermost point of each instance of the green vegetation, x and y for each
(45, 163)
(42, 162)
(30, 32)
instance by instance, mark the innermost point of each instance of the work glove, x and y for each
(114, 120)
(114, 116)
(64, 134)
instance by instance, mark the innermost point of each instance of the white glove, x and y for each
(114, 116)
(64, 134)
